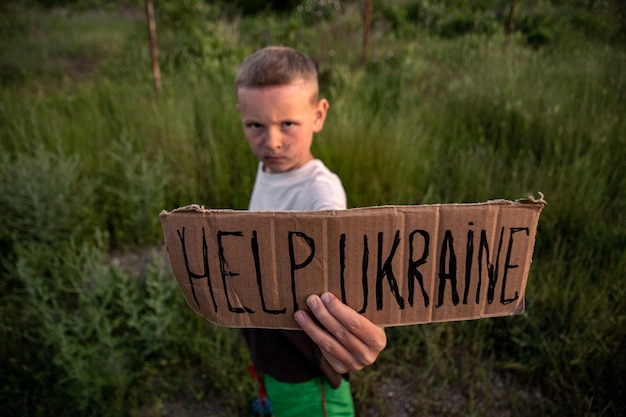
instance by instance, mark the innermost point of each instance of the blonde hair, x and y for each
(275, 66)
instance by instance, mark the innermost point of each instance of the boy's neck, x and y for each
(266, 171)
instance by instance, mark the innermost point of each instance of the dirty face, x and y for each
(279, 123)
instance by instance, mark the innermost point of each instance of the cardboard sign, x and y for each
(396, 265)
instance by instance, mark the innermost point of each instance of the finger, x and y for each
(339, 366)
(331, 315)
(327, 330)
(344, 340)
(347, 322)
(335, 353)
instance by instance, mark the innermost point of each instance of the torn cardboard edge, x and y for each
(396, 265)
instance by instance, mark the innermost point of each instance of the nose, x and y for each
(273, 139)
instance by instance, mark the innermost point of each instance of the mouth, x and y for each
(274, 159)
(275, 163)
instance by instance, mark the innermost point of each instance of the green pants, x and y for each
(314, 398)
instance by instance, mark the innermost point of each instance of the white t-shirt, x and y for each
(311, 187)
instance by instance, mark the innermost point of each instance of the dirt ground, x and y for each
(402, 399)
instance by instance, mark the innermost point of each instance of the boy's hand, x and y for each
(348, 341)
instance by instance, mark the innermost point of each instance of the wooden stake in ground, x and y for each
(367, 17)
(154, 51)
(511, 23)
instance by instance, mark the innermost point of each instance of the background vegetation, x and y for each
(449, 109)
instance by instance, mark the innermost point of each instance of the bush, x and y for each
(45, 199)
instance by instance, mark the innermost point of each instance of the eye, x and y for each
(288, 124)
(254, 126)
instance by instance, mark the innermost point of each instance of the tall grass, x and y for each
(87, 164)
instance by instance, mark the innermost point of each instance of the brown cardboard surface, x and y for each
(396, 265)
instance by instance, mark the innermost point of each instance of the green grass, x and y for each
(89, 156)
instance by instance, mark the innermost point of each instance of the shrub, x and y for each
(44, 199)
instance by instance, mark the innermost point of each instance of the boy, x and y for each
(305, 373)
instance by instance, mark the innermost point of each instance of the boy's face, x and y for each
(279, 123)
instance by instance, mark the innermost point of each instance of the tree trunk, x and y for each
(367, 17)
(511, 23)
(154, 51)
